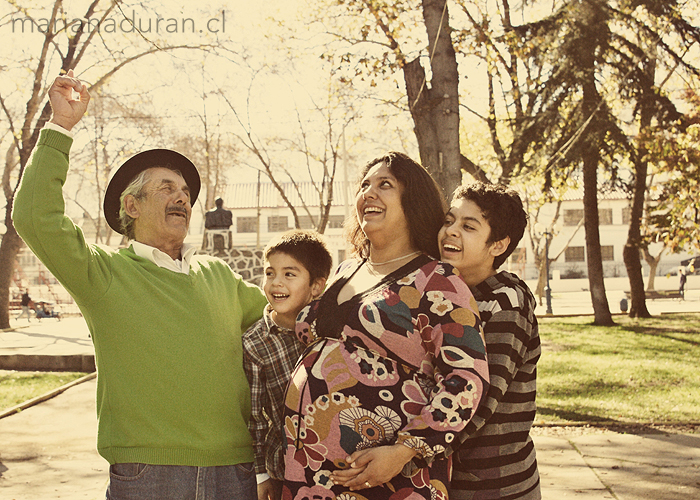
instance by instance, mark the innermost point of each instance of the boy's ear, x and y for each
(317, 287)
(500, 246)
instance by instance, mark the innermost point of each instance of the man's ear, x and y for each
(131, 207)
(500, 246)
(317, 287)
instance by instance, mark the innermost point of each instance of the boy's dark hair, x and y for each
(305, 246)
(422, 203)
(502, 209)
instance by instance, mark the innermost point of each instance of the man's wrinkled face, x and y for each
(163, 213)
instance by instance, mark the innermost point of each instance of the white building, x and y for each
(260, 214)
(569, 240)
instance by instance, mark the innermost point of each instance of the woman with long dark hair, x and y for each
(396, 365)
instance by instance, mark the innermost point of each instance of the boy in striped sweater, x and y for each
(494, 456)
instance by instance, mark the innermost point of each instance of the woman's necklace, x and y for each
(375, 264)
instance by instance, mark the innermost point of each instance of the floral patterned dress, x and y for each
(403, 362)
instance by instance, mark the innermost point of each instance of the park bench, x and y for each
(658, 294)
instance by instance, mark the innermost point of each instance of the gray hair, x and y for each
(136, 189)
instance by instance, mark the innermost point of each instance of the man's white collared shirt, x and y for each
(162, 259)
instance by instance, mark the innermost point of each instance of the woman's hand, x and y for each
(373, 467)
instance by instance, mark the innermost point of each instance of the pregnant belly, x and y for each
(351, 398)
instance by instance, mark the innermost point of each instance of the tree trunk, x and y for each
(445, 91)
(9, 248)
(653, 265)
(434, 105)
(418, 99)
(591, 159)
(633, 247)
(596, 282)
(630, 254)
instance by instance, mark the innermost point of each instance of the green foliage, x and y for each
(372, 37)
(18, 387)
(675, 211)
(642, 370)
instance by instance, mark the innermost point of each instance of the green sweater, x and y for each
(171, 389)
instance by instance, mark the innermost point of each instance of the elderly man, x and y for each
(172, 397)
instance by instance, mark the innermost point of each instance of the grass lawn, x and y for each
(642, 370)
(645, 371)
(18, 387)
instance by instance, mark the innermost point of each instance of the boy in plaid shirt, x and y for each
(297, 265)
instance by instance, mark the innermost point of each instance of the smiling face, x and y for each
(162, 214)
(464, 242)
(288, 287)
(378, 204)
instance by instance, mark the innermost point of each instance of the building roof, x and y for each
(245, 195)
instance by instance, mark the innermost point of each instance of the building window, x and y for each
(27, 259)
(607, 252)
(572, 217)
(305, 222)
(341, 255)
(246, 224)
(519, 256)
(605, 216)
(626, 215)
(336, 221)
(277, 223)
(575, 254)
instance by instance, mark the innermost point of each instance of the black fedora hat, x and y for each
(132, 167)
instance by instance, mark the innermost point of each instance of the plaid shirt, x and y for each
(270, 354)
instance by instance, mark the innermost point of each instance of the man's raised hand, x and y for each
(68, 111)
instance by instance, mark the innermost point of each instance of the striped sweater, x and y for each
(495, 456)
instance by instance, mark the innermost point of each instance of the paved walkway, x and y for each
(48, 450)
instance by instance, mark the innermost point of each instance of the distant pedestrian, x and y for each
(25, 304)
(683, 279)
